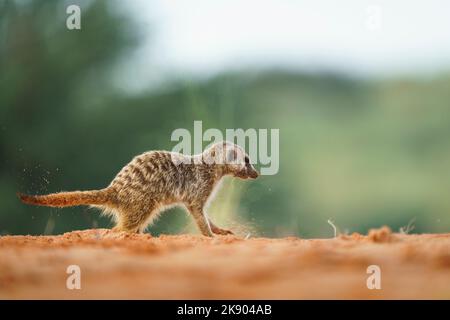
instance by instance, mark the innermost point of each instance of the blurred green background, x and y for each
(361, 152)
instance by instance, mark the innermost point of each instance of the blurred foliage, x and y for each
(363, 153)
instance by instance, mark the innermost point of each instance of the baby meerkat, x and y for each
(156, 180)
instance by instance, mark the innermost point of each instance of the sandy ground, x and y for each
(119, 265)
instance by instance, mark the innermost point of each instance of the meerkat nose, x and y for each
(254, 174)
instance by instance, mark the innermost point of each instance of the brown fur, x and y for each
(157, 179)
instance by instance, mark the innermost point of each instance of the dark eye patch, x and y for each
(247, 160)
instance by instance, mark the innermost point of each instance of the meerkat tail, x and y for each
(67, 199)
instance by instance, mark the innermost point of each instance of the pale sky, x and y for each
(202, 37)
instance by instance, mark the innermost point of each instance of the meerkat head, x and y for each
(232, 158)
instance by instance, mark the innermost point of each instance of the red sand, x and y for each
(118, 265)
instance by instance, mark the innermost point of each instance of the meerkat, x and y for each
(156, 180)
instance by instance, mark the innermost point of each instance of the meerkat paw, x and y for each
(116, 229)
(121, 229)
(221, 231)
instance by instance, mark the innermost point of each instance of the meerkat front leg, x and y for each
(215, 229)
(201, 219)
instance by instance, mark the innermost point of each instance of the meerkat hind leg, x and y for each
(132, 222)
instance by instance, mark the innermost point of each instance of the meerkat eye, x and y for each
(247, 160)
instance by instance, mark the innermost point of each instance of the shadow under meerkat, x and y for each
(156, 180)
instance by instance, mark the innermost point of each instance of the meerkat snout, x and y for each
(246, 171)
(249, 171)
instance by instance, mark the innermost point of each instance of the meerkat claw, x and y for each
(222, 231)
